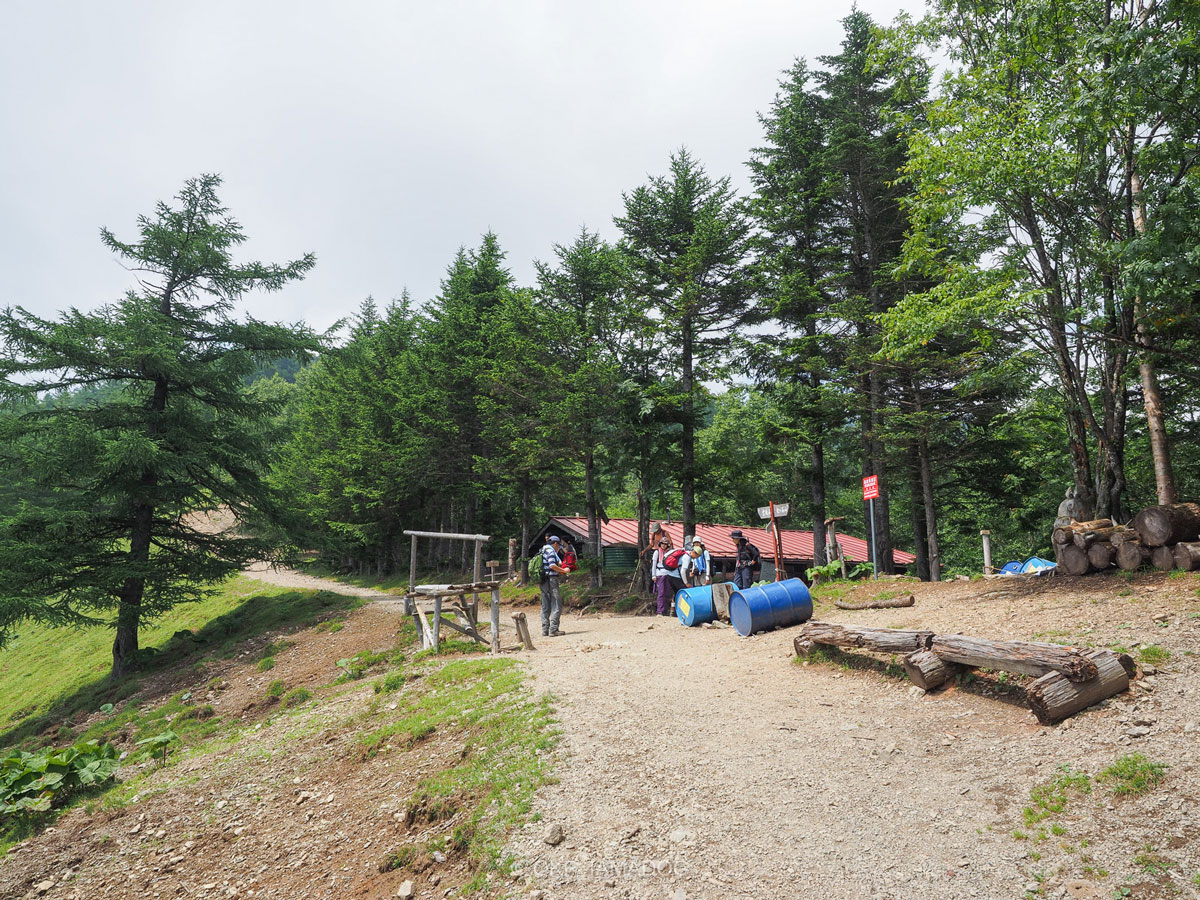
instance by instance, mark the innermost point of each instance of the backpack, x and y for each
(535, 567)
(671, 561)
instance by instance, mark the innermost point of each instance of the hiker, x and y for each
(570, 558)
(749, 561)
(664, 569)
(552, 568)
(657, 533)
(700, 570)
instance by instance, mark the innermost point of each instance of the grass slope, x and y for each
(52, 673)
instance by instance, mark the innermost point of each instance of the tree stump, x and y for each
(1101, 556)
(1053, 697)
(1074, 560)
(1187, 556)
(1163, 558)
(721, 592)
(1025, 657)
(928, 670)
(1132, 555)
(1159, 525)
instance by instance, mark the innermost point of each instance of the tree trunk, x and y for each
(1132, 555)
(1163, 557)
(920, 549)
(1160, 448)
(818, 504)
(643, 499)
(1187, 556)
(1158, 525)
(931, 517)
(1053, 697)
(928, 670)
(1074, 560)
(687, 477)
(593, 518)
(880, 640)
(1025, 657)
(526, 515)
(1101, 556)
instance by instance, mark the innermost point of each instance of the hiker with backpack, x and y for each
(550, 569)
(749, 561)
(665, 570)
(700, 568)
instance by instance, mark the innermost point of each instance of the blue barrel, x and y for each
(694, 605)
(776, 605)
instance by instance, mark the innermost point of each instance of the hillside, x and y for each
(692, 763)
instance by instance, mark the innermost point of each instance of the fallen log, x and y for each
(1074, 560)
(1053, 697)
(1065, 534)
(881, 640)
(893, 603)
(1132, 555)
(1025, 657)
(721, 592)
(1163, 558)
(1159, 525)
(1101, 556)
(1085, 539)
(1187, 555)
(928, 670)
(1123, 535)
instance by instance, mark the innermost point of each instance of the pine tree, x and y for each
(111, 534)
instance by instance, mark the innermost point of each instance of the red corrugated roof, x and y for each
(797, 545)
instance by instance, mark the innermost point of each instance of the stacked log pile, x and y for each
(1068, 679)
(1167, 537)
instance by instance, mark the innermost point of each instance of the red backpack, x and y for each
(671, 561)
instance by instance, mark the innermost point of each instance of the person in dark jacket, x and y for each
(749, 561)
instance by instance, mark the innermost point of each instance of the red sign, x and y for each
(870, 487)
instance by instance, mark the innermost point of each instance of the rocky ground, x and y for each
(695, 764)
(700, 764)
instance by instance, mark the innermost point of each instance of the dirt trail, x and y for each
(701, 764)
(284, 577)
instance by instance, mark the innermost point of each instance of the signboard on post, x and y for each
(870, 492)
(772, 511)
(870, 487)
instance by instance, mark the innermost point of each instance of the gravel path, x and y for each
(700, 764)
(283, 577)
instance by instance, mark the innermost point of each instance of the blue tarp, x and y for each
(1035, 565)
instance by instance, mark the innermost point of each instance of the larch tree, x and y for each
(111, 534)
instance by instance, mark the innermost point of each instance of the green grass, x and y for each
(34, 696)
(506, 738)
(1052, 797)
(1132, 774)
(1154, 654)
(297, 697)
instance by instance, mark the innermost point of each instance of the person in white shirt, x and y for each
(700, 568)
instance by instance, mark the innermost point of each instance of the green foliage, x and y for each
(1154, 654)
(1132, 774)
(33, 783)
(106, 529)
(297, 697)
(1052, 797)
(276, 689)
(159, 743)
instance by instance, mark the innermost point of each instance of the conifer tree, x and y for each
(111, 533)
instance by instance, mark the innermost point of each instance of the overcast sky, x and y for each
(380, 135)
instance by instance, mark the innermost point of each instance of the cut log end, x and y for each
(1132, 555)
(1161, 525)
(1163, 557)
(1075, 561)
(1101, 556)
(1187, 556)
(1054, 697)
(928, 670)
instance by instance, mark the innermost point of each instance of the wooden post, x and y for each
(437, 624)
(477, 570)
(512, 556)
(492, 565)
(987, 552)
(412, 567)
(835, 549)
(523, 629)
(495, 620)
(426, 631)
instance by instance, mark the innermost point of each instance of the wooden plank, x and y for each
(523, 629)
(464, 630)
(426, 632)
(1024, 657)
